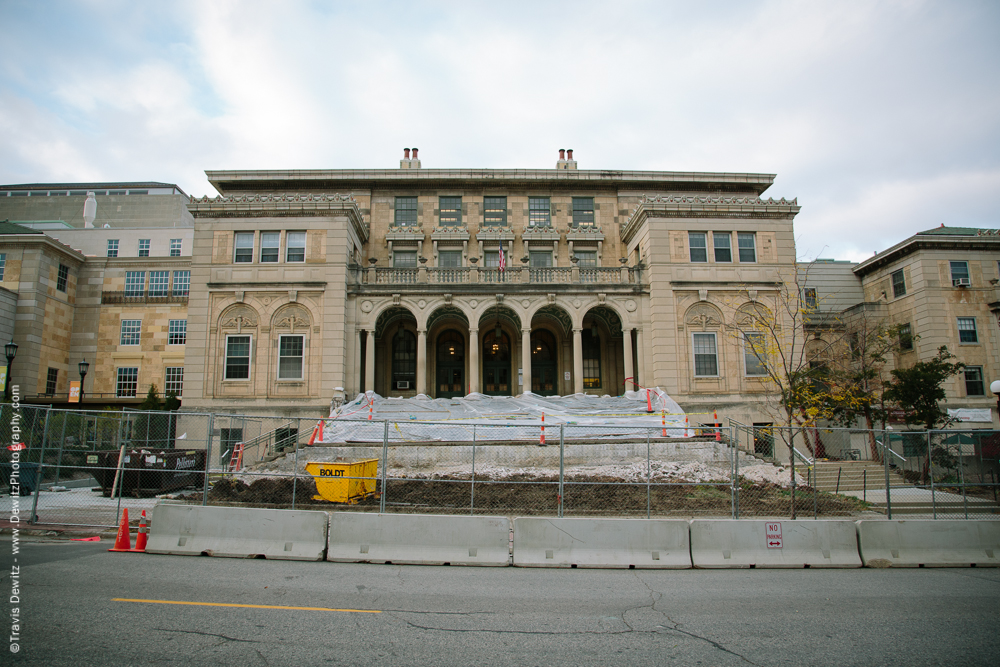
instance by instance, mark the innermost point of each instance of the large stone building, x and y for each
(293, 288)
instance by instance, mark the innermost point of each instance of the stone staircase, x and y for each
(834, 476)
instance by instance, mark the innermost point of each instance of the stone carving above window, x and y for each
(292, 318)
(703, 316)
(239, 318)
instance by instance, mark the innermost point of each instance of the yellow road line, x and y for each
(250, 606)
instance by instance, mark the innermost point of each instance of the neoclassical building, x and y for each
(307, 284)
(294, 288)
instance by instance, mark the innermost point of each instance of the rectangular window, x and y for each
(128, 382)
(974, 385)
(583, 211)
(491, 258)
(269, 246)
(177, 332)
(159, 283)
(706, 363)
(723, 242)
(238, 358)
(450, 258)
(967, 330)
(135, 283)
(404, 260)
(494, 211)
(588, 258)
(295, 250)
(959, 273)
(898, 284)
(809, 294)
(539, 212)
(406, 211)
(112, 247)
(905, 337)
(173, 380)
(244, 248)
(3, 263)
(62, 278)
(131, 332)
(182, 283)
(747, 242)
(51, 381)
(698, 245)
(143, 247)
(290, 357)
(754, 354)
(175, 248)
(450, 211)
(539, 259)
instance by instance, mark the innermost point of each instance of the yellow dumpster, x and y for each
(343, 482)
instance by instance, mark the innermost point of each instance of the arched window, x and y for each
(591, 360)
(404, 360)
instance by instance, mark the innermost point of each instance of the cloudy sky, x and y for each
(883, 118)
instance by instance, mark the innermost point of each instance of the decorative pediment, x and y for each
(239, 318)
(752, 314)
(703, 316)
(292, 318)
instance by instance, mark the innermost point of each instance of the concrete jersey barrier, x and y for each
(235, 532)
(608, 543)
(773, 544)
(929, 543)
(419, 539)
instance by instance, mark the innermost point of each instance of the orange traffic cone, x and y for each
(143, 536)
(312, 438)
(718, 432)
(320, 432)
(124, 540)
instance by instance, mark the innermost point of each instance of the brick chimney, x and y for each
(566, 160)
(409, 162)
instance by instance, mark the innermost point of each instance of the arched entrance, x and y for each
(544, 369)
(496, 364)
(450, 364)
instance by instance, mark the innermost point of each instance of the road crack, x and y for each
(212, 634)
(655, 597)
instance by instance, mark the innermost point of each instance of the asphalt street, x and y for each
(80, 605)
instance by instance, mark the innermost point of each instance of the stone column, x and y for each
(526, 358)
(578, 361)
(639, 376)
(359, 372)
(627, 345)
(370, 362)
(474, 360)
(421, 361)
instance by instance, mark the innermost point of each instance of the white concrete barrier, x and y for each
(767, 544)
(609, 543)
(419, 539)
(236, 532)
(928, 543)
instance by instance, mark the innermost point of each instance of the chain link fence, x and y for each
(81, 467)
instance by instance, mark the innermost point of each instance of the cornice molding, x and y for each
(707, 206)
(280, 205)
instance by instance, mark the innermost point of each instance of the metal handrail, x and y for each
(889, 449)
(802, 456)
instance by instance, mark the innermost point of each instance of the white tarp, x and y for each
(504, 417)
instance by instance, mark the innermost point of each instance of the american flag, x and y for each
(503, 261)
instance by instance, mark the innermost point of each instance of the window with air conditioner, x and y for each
(960, 274)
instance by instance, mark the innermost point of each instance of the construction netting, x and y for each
(481, 417)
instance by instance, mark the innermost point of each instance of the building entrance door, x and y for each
(450, 365)
(544, 376)
(496, 365)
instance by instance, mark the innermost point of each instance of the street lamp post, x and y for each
(83, 367)
(10, 349)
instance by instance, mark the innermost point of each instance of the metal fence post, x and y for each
(295, 463)
(930, 472)
(41, 461)
(562, 450)
(385, 464)
(208, 458)
(961, 478)
(885, 463)
(736, 476)
(649, 499)
(472, 490)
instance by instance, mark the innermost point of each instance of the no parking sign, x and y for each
(773, 534)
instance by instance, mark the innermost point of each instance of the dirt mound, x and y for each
(267, 491)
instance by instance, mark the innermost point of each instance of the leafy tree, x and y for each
(857, 382)
(918, 389)
(770, 327)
